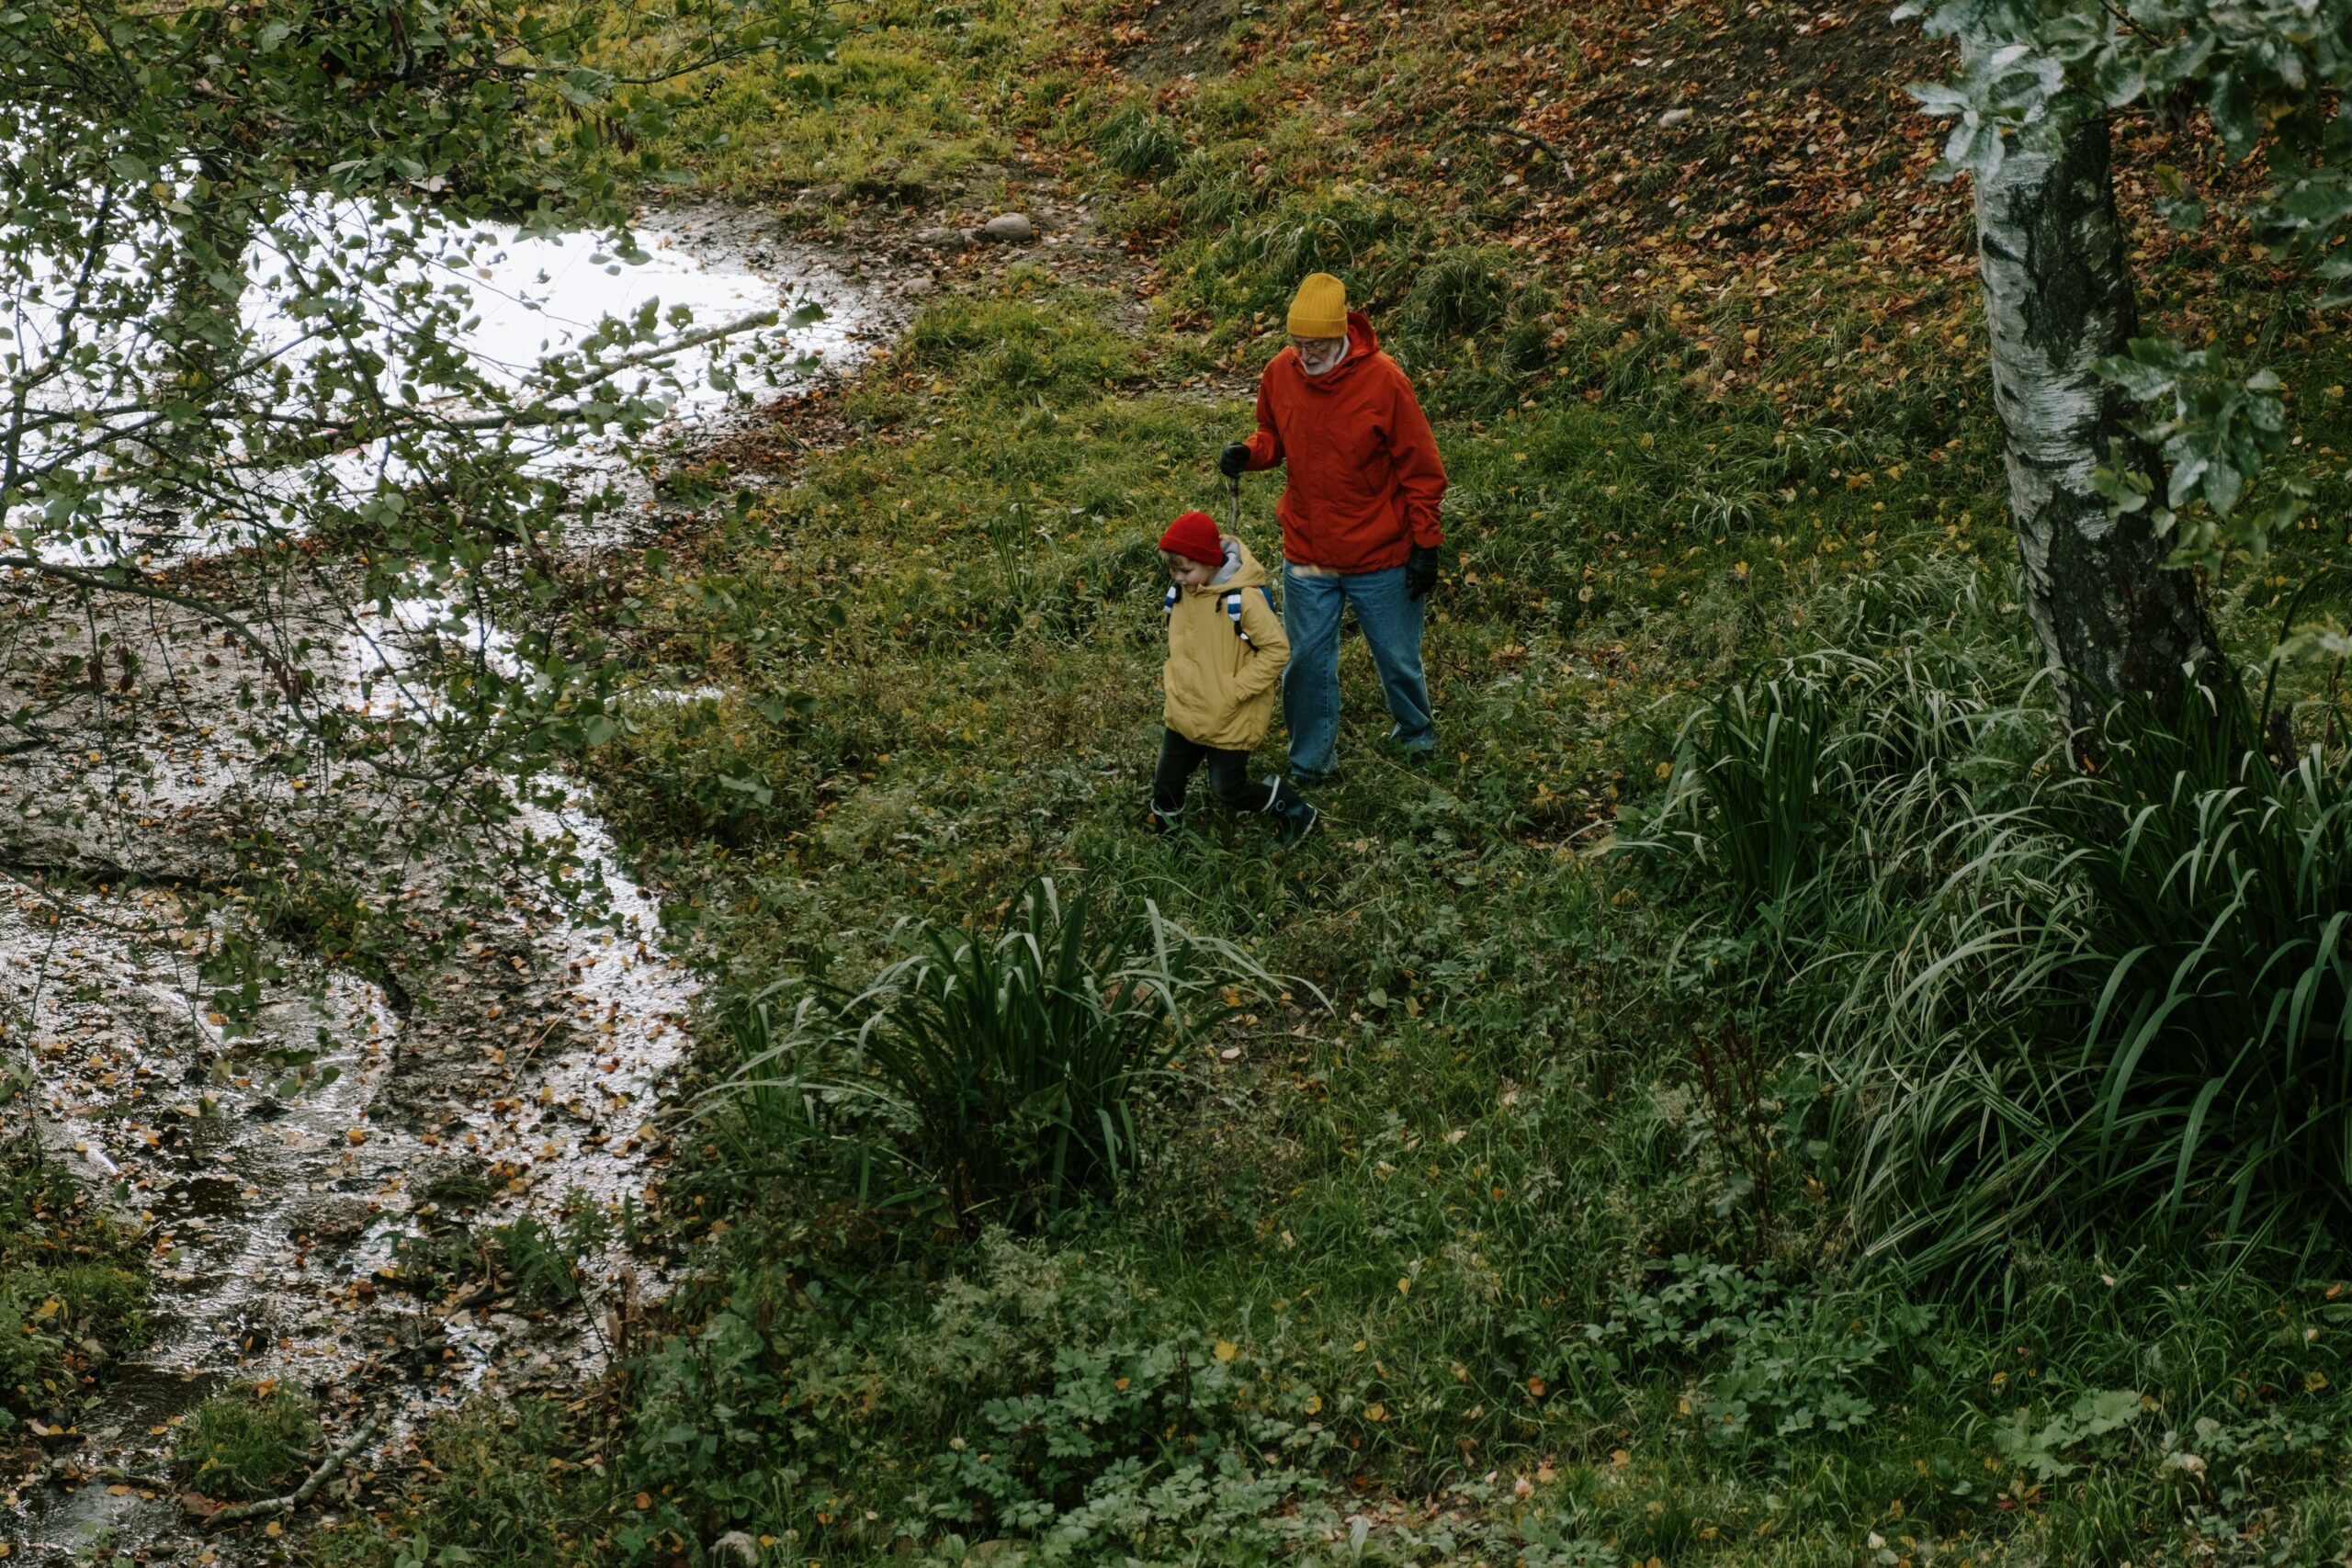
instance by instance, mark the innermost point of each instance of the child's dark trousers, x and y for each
(1230, 779)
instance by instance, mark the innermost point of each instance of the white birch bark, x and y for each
(2058, 298)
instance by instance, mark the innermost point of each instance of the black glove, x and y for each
(1233, 459)
(1420, 571)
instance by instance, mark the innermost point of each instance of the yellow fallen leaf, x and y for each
(1620, 1458)
(273, 1529)
(1227, 1349)
(1375, 1412)
(1404, 1287)
(1314, 1403)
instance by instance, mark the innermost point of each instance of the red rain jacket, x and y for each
(1364, 476)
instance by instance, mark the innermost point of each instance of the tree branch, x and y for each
(544, 413)
(269, 1506)
(119, 580)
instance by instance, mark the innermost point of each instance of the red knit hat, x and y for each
(1194, 535)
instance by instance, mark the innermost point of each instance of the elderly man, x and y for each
(1359, 516)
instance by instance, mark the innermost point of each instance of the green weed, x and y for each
(250, 1442)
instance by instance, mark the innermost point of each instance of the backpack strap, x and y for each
(1168, 605)
(1233, 613)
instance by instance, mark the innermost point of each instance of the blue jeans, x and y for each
(1391, 623)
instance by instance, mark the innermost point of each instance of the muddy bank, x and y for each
(338, 1191)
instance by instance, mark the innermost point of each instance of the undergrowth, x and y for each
(1728, 1180)
(72, 1291)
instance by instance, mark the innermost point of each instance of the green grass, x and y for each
(251, 1442)
(1478, 1215)
(1525, 1216)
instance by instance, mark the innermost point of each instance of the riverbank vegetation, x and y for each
(71, 1281)
(1753, 1100)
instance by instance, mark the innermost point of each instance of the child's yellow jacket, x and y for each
(1226, 651)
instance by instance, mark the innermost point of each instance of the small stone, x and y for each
(943, 239)
(916, 288)
(1673, 118)
(737, 1546)
(1013, 228)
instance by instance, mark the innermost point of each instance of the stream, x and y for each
(517, 1081)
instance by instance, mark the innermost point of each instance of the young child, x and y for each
(1225, 653)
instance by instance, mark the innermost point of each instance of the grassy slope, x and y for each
(1717, 397)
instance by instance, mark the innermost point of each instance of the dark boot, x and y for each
(1294, 817)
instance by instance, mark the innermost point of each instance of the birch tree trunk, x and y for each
(2058, 298)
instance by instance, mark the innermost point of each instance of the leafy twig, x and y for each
(549, 414)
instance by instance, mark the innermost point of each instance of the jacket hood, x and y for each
(1363, 344)
(1240, 571)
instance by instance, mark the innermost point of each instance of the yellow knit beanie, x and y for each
(1321, 308)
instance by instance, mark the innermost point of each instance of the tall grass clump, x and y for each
(2045, 998)
(1137, 142)
(248, 1442)
(2221, 888)
(1752, 787)
(1007, 1074)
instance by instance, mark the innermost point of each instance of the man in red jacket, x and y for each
(1358, 515)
